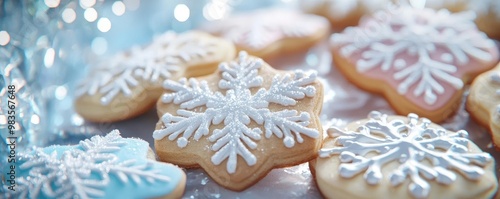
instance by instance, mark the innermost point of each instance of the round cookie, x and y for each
(402, 157)
(129, 83)
(99, 167)
(241, 121)
(483, 102)
(419, 59)
(268, 32)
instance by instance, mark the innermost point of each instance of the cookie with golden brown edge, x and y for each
(402, 157)
(269, 32)
(419, 59)
(241, 121)
(129, 83)
(483, 102)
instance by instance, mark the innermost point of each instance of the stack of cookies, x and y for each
(222, 108)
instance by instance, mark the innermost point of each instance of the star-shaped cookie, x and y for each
(241, 121)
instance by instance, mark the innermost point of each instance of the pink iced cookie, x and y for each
(419, 59)
(267, 32)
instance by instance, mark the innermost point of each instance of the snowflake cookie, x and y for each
(483, 102)
(99, 167)
(268, 32)
(240, 122)
(419, 59)
(402, 157)
(129, 83)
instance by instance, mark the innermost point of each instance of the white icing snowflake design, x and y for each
(70, 175)
(257, 30)
(423, 47)
(236, 109)
(408, 143)
(156, 62)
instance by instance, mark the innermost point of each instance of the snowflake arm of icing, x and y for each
(236, 109)
(165, 56)
(70, 175)
(409, 144)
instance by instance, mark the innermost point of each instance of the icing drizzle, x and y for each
(405, 43)
(257, 30)
(236, 109)
(83, 171)
(166, 55)
(409, 144)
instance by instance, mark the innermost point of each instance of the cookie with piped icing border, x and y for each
(483, 102)
(343, 13)
(270, 32)
(100, 167)
(241, 121)
(402, 157)
(419, 59)
(129, 83)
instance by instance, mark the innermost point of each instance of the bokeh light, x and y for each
(99, 45)
(181, 12)
(68, 15)
(118, 8)
(4, 38)
(90, 14)
(104, 25)
(48, 60)
(132, 4)
(87, 3)
(52, 3)
(61, 92)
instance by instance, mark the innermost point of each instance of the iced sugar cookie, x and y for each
(402, 157)
(419, 59)
(483, 102)
(268, 32)
(240, 122)
(129, 83)
(343, 13)
(99, 167)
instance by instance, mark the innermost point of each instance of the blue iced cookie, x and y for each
(99, 167)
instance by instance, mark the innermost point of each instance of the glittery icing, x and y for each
(414, 145)
(100, 167)
(156, 62)
(236, 109)
(421, 52)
